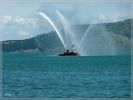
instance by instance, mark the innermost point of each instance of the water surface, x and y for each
(37, 75)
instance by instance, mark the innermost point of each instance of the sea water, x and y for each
(26, 75)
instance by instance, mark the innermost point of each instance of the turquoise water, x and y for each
(36, 75)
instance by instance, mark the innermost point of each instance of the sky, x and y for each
(20, 19)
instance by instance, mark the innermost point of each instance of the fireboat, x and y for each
(70, 53)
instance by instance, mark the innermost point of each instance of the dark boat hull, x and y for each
(69, 54)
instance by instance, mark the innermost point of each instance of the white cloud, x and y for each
(5, 19)
(109, 18)
(25, 21)
(16, 27)
(18, 21)
(23, 33)
(102, 17)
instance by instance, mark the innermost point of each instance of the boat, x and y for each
(69, 53)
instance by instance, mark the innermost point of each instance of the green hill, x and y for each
(51, 43)
(122, 28)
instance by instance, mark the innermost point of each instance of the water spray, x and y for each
(52, 24)
(84, 36)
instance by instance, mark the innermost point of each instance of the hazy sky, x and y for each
(20, 19)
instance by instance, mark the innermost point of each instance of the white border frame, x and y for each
(74, 1)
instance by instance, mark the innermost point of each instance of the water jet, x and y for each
(94, 41)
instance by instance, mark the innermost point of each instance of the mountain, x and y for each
(49, 42)
(45, 42)
(122, 28)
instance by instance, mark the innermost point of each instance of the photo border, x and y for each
(75, 1)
